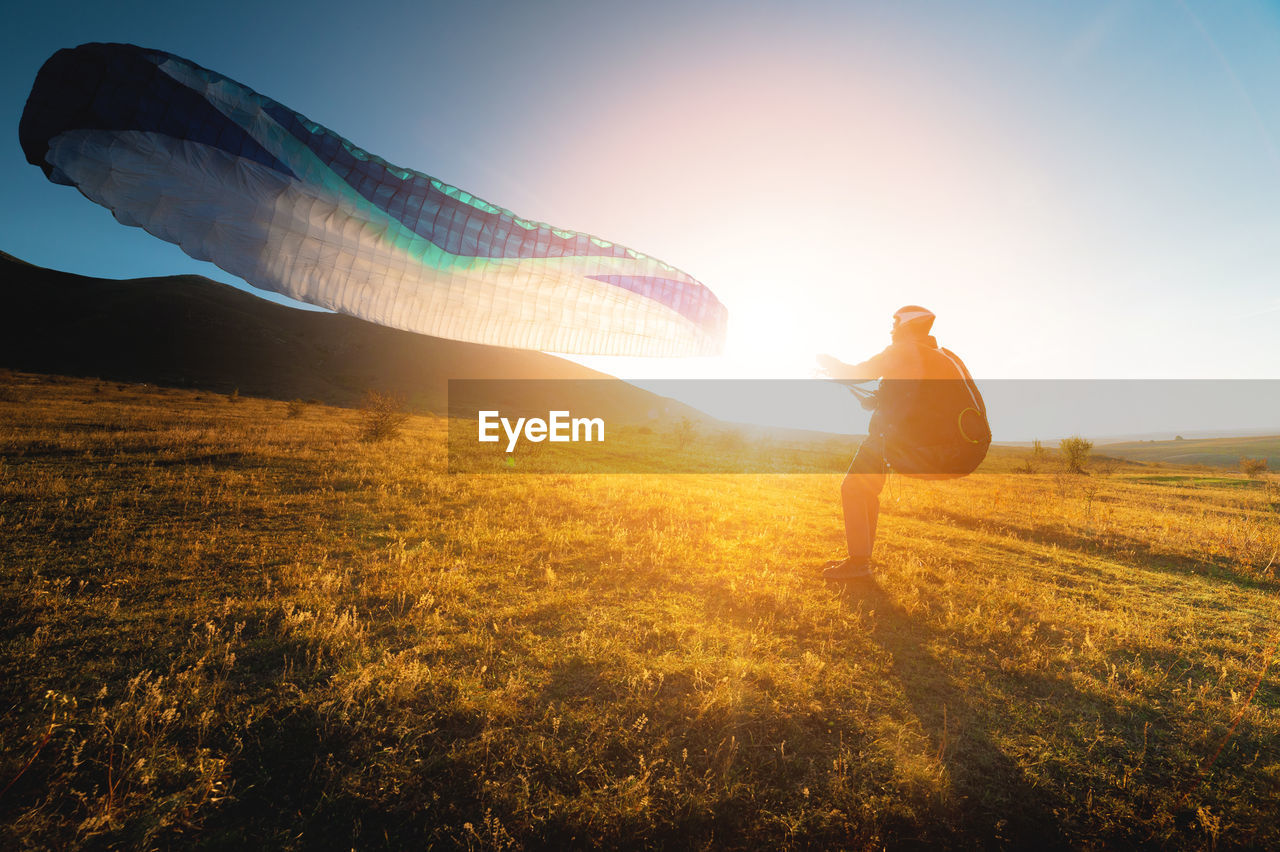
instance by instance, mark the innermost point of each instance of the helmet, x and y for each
(919, 319)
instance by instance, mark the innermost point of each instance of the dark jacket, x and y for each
(929, 413)
(900, 368)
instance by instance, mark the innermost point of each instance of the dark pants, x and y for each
(860, 497)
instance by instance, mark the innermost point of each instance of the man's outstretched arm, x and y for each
(868, 370)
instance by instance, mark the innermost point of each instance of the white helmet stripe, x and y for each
(909, 316)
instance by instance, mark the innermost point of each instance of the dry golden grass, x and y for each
(242, 625)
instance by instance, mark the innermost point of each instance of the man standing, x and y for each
(911, 427)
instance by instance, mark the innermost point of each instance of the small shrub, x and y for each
(382, 415)
(1075, 453)
(1063, 484)
(685, 433)
(1253, 468)
(1089, 493)
(234, 396)
(1032, 463)
(295, 409)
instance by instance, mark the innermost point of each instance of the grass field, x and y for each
(230, 623)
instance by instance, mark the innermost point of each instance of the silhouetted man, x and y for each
(918, 425)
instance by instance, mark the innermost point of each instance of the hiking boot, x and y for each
(846, 569)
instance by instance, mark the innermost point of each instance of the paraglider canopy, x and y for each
(236, 178)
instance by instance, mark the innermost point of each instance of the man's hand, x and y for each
(836, 369)
(829, 365)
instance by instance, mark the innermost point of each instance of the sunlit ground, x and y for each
(235, 622)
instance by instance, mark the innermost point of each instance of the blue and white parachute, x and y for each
(238, 179)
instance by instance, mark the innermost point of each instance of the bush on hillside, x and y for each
(382, 415)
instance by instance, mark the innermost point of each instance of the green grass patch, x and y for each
(1192, 481)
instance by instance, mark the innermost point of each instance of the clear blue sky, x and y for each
(1077, 189)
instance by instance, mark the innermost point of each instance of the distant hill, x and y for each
(1216, 452)
(189, 331)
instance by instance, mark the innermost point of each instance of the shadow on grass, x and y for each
(304, 781)
(1132, 552)
(994, 800)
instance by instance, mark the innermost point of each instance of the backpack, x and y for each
(941, 429)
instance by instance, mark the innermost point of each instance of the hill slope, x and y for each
(188, 331)
(1216, 452)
